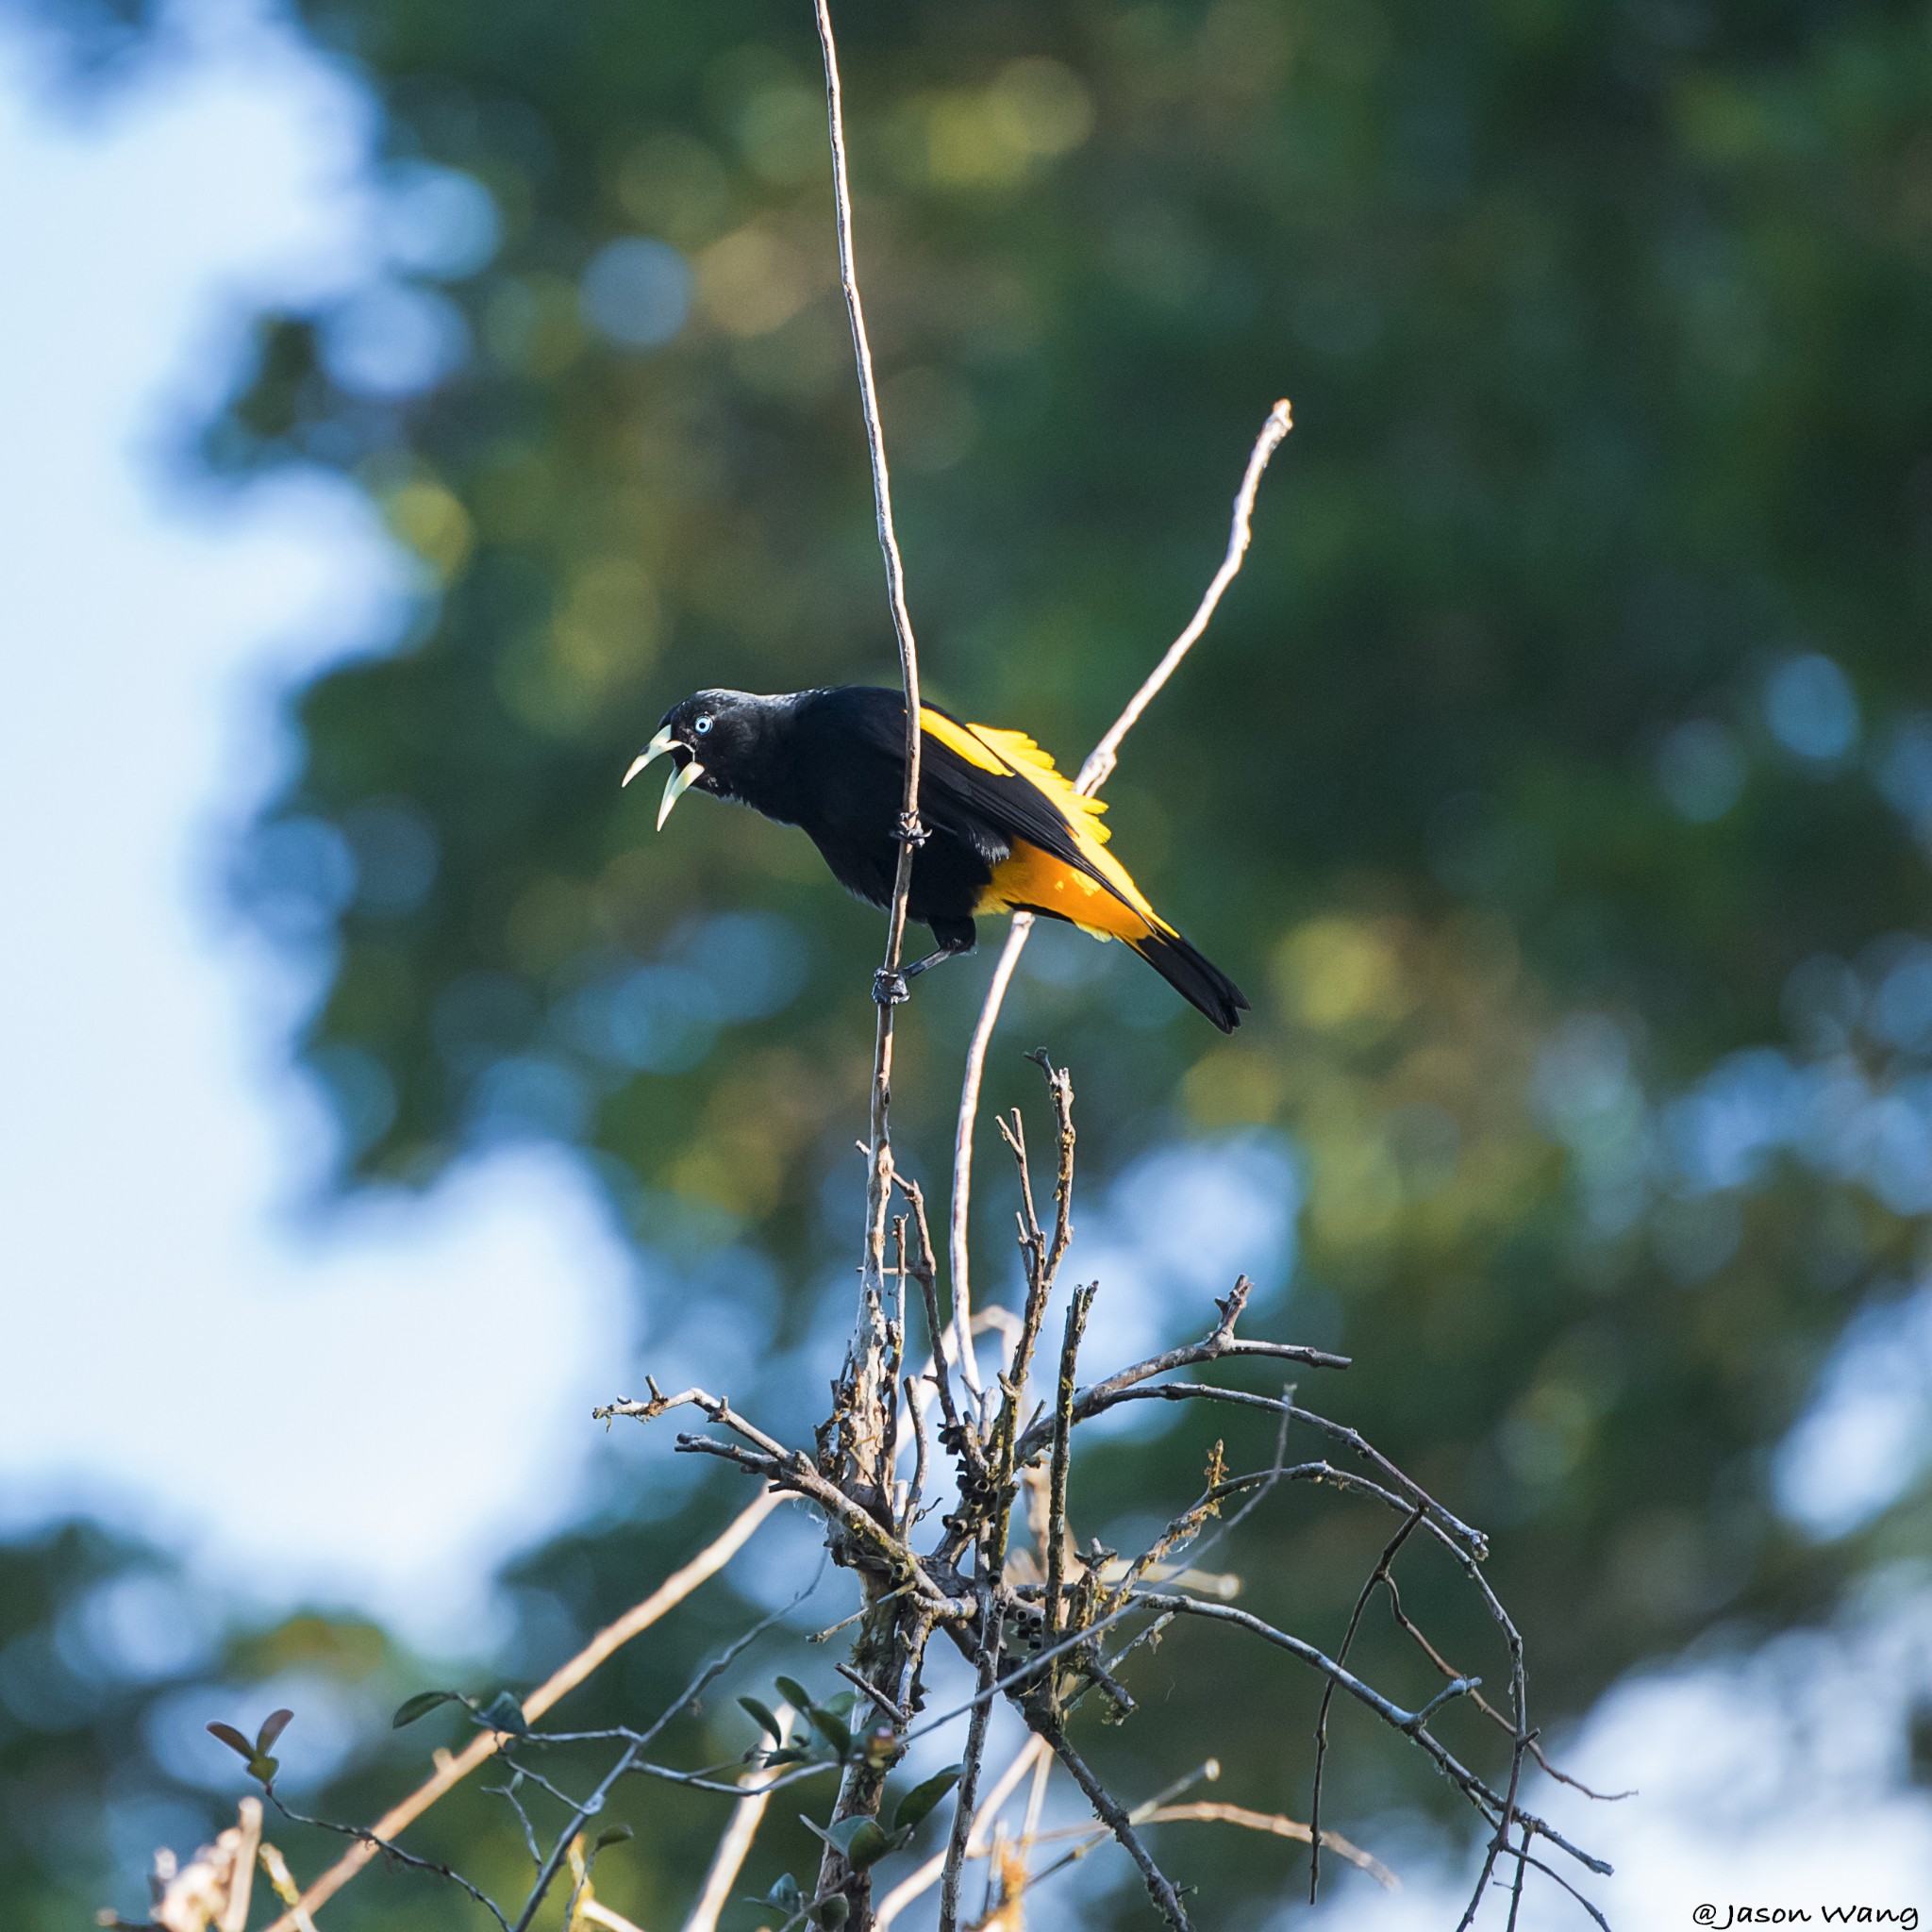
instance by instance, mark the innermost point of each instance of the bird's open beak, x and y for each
(656, 749)
(680, 781)
(678, 784)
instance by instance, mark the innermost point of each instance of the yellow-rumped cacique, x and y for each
(1005, 831)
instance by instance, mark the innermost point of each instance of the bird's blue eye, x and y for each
(703, 726)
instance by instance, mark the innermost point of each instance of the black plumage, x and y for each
(1005, 831)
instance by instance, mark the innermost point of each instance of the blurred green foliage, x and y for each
(1557, 780)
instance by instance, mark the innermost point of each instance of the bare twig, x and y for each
(879, 1169)
(733, 1848)
(1413, 1631)
(1220, 1342)
(393, 1852)
(1106, 755)
(1107, 1808)
(965, 1816)
(1062, 1454)
(587, 1809)
(1271, 1824)
(1093, 775)
(1278, 1826)
(1379, 1574)
(1044, 1254)
(1093, 1402)
(789, 1468)
(1413, 1724)
(1550, 1872)
(922, 1458)
(897, 1713)
(924, 1272)
(715, 1407)
(1148, 1812)
(958, 1262)
(480, 1749)
(868, 1391)
(1033, 1752)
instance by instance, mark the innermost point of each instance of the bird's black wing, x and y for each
(973, 781)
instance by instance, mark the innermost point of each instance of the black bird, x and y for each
(1005, 831)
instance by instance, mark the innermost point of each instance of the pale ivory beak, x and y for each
(677, 785)
(656, 749)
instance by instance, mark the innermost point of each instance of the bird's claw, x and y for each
(890, 989)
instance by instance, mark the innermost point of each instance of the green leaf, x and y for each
(868, 1845)
(831, 1913)
(420, 1705)
(783, 1897)
(795, 1694)
(503, 1714)
(790, 1755)
(615, 1834)
(831, 1727)
(765, 1720)
(857, 1840)
(232, 1738)
(841, 1705)
(261, 1767)
(272, 1726)
(914, 1808)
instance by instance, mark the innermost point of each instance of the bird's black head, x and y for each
(719, 741)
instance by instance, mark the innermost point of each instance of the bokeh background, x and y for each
(407, 402)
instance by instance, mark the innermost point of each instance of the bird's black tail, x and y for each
(1195, 976)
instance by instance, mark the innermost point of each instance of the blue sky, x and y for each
(304, 1401)
(374, 1405)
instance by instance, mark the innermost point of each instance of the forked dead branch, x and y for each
(1043, 1626)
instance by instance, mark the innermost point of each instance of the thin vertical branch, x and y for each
(1093, 775)
(240, 1885)
(1379, 1574)
(1032, 1753)
(922, 1448)
(868, 1392)
(962, 1144)
(1062, 1456)
(1035, 1801)
(965, 1816)
(924, 1272)
(878, 1185)
(735, 1846)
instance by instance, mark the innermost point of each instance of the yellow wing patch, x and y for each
(1110, 905)
(1013, 754)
